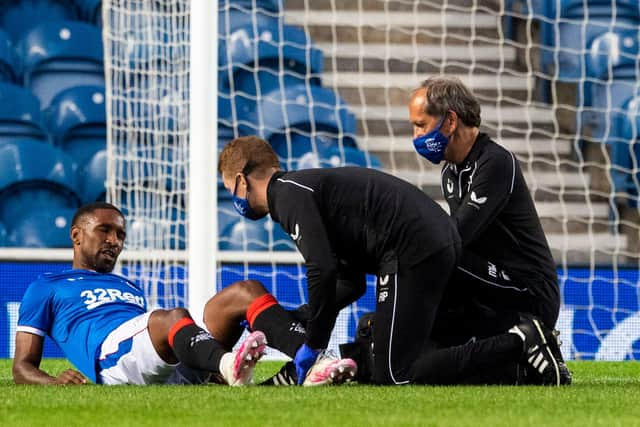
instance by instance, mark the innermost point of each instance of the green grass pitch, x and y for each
(606, 394)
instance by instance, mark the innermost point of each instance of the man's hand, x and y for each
(305, 358)
(70, 377)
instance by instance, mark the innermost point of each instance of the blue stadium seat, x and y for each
(596, 9)
(245, 235)
(333, 157)
(90, 10)
(93, 177)
(77, 121)
(249, 48)
(225, 135)
(281, 241)
(20, 115)
(613, 61)
(578, 27)
(273, 6)
(159, 109)
(3, 236)
(158, 233)
(350, 156)
(7, 59)
(520, 8)
(60, 55)
(625, 147)
(300, 118)
(33, 177)
(238, 15)
(226, 214)
(225, 114)
(18, 17)
(251, 60)
(151, 227)
(303, 107)
(48, 228)
(148, 47)
(251, 87)
(613, 54)
(299, 145)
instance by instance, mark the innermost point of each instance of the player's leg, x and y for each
(285, 330)
(176, 337)
(248, 300)
(225, 312)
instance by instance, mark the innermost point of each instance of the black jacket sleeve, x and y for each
(303, 221)
(491, 186)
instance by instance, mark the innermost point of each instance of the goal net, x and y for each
(327, 82)
(147, 86)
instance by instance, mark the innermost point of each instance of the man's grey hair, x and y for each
(446, 94)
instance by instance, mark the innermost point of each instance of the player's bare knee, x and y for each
(166, 318)
(251, 289)
(233, 300)
(178, 313)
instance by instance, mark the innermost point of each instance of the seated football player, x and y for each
(101, 323)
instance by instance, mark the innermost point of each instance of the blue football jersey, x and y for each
(78, 309)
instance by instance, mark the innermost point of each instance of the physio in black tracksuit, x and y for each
(348, 222)
(506, 266)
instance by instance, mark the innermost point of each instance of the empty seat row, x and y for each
(570, 30)
(53, 57)
(75, 121)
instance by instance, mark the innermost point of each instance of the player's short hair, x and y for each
(446, 94)
(91, 208)
(247, 154)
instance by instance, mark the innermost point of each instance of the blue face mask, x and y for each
(432, 145)
(242, 205)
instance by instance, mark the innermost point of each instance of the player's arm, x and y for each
(26, 363)
(489, 193)
(304, 221)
